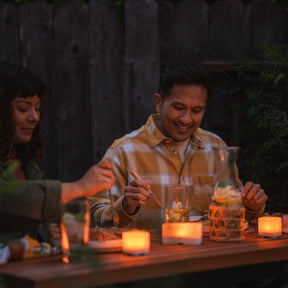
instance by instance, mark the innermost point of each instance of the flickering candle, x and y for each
(135, 242)
(270, 227)
(285, 223)
(187, 233)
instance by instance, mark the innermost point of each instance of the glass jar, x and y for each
(226, 211)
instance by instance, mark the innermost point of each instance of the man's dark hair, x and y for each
(184, 72)
(16, 80)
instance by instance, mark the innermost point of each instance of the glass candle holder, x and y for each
(270, 227)
(135, 242)
(188, 233)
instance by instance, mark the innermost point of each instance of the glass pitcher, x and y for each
(226, 211)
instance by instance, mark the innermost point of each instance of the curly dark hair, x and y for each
(184, 72)
(16, 80)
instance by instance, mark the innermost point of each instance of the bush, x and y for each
(263, 130)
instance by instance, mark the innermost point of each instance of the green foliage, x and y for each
(263, 131)
(6, 175)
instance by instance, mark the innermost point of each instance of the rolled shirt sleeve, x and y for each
(32, 201)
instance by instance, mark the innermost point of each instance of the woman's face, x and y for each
(25, 116)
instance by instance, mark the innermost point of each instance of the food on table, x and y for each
(103, 234)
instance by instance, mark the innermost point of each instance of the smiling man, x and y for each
(169, 149)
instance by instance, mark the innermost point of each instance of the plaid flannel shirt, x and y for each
(155, 157)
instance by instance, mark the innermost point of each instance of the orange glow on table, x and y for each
(135, 242)
(270, 226)
(64, 243)
(187, 233)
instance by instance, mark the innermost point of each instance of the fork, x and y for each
(136, 176)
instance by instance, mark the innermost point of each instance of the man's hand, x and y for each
(135, 195)
(253, 196)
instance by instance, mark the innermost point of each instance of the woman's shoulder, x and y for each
(32, 171)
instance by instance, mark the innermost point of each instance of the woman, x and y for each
(21, 139)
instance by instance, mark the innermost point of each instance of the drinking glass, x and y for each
(177, 204)
(201, 193)
(75, 224)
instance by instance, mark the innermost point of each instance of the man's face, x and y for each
(182, 111)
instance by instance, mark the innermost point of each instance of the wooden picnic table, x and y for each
(210, 263)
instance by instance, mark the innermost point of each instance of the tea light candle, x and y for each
(182, 233)
(270, 227)
(285, 223)
(135, 242)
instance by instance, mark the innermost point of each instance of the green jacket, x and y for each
(27, 206)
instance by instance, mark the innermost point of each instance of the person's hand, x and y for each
(135, 195)
(253, 196)
(98, 177)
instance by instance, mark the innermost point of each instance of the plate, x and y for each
(106, 246)
(194, 218)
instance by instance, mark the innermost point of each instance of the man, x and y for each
(169, 149)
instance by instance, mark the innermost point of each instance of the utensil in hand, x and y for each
(136, 176)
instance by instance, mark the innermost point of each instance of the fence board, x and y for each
(219, 110)
(141, 60)
(106, 76)
(71, 87)
(226, 30)
(262, 25)
(36, 40)
(284, 25)
(9, 34)
(102, 68)
(192, 30)
(166, 33)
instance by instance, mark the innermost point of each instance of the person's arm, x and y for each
(101, 209)
(98, 177)
(31, 202)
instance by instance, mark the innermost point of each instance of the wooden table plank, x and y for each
(163, 261)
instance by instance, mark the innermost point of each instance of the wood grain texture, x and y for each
(163, 261)
(101, 64)
(191, 32)
(36, 22)
(141, 61)
(261, 18)
(226, 37)
(106, 76)
(9, 34)
(71, 88)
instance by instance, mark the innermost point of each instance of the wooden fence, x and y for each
(101, 63)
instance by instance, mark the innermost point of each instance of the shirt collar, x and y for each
(155, 136)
